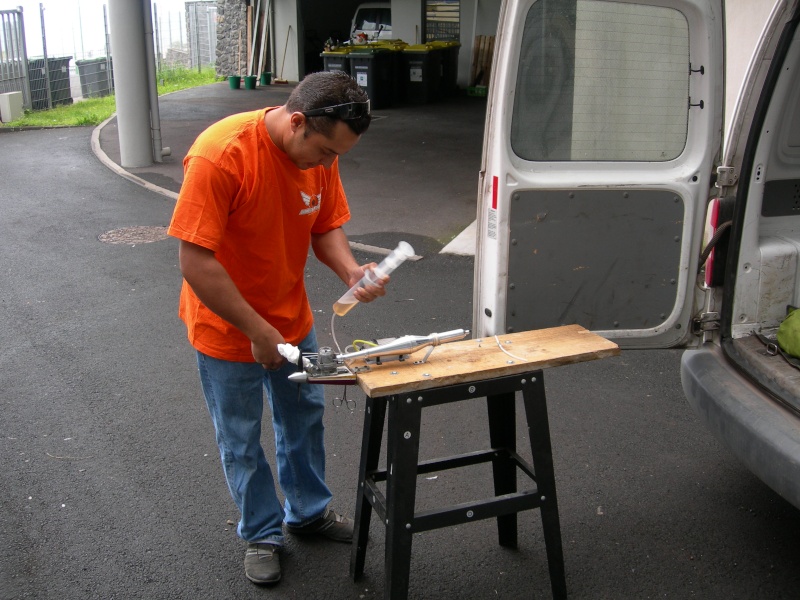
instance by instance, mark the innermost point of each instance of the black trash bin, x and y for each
(422, 70)
(449, 60)
(373, 68)
(58, 72)
(96, 80)
(336, 60)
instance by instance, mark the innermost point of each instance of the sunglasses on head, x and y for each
(345, 112)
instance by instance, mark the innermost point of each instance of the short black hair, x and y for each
(328, 88)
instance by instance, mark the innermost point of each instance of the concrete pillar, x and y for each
(126, 21)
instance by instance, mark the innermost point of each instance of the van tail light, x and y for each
(715, 254)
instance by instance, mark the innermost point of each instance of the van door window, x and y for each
(601, 81)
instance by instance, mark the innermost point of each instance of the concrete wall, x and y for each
(231, 28)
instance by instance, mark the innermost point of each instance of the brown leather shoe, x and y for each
(261, 563)
(332, 525)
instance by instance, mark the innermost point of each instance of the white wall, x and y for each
(478, 17)
(407, 20)
(286, 18)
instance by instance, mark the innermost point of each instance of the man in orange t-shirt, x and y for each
(259, 189)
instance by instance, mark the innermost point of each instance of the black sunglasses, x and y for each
(345, 112)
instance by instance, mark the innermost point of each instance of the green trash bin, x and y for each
(58, 73)
(422, 70)
(373, 68)
(96, 79)
(336, 60)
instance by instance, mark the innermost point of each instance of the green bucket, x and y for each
(234, 81)
(250, 82)
(266, 78)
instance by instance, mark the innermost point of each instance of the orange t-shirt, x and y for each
(246, 200)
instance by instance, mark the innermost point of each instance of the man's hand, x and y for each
(265, 349)
(333, 250)
(368, 293)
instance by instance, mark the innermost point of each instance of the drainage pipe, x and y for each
(152, 86)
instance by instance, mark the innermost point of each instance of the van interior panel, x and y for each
(610, 248)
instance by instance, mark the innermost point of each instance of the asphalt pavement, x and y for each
(110, 484)
(414, 170)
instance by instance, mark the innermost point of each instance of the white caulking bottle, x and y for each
(372, 276)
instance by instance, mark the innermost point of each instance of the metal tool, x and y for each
(326, 366)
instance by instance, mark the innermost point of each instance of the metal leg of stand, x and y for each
(370, 454)
(503, 434)
(397, 507)
(402, 454)
(539, 434)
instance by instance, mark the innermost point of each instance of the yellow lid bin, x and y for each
(374, 67)
(336, 59)
(449, 50)
(422, 71)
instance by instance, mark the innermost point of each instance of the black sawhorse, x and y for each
(397, 510)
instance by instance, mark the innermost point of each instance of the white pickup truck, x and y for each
(610, 198)
(372, 21)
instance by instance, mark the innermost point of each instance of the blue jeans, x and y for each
(234, 394)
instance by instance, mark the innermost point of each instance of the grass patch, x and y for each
(94, 111)
(172, 80)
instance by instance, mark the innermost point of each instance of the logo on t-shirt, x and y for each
(312, 202)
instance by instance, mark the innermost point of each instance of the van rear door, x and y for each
(603, 126)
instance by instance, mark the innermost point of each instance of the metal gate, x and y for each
(13, 55)
(201, 21)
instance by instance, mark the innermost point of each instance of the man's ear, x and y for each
(296, 121)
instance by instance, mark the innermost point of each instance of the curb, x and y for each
(103, 157)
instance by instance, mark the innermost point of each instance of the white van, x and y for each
(604, 175)
(372, 21)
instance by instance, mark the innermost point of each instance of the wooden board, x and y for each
(481, 66)
(480, 359)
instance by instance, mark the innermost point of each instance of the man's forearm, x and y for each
(214, 287)
(333, 250)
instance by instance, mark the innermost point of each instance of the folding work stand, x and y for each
(456, 372)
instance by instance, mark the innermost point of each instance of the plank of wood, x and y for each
(487, 72)
(473, 71)
(249, 57)
(480, 359)
(479, 76)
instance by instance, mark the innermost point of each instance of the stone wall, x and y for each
(231, 24)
